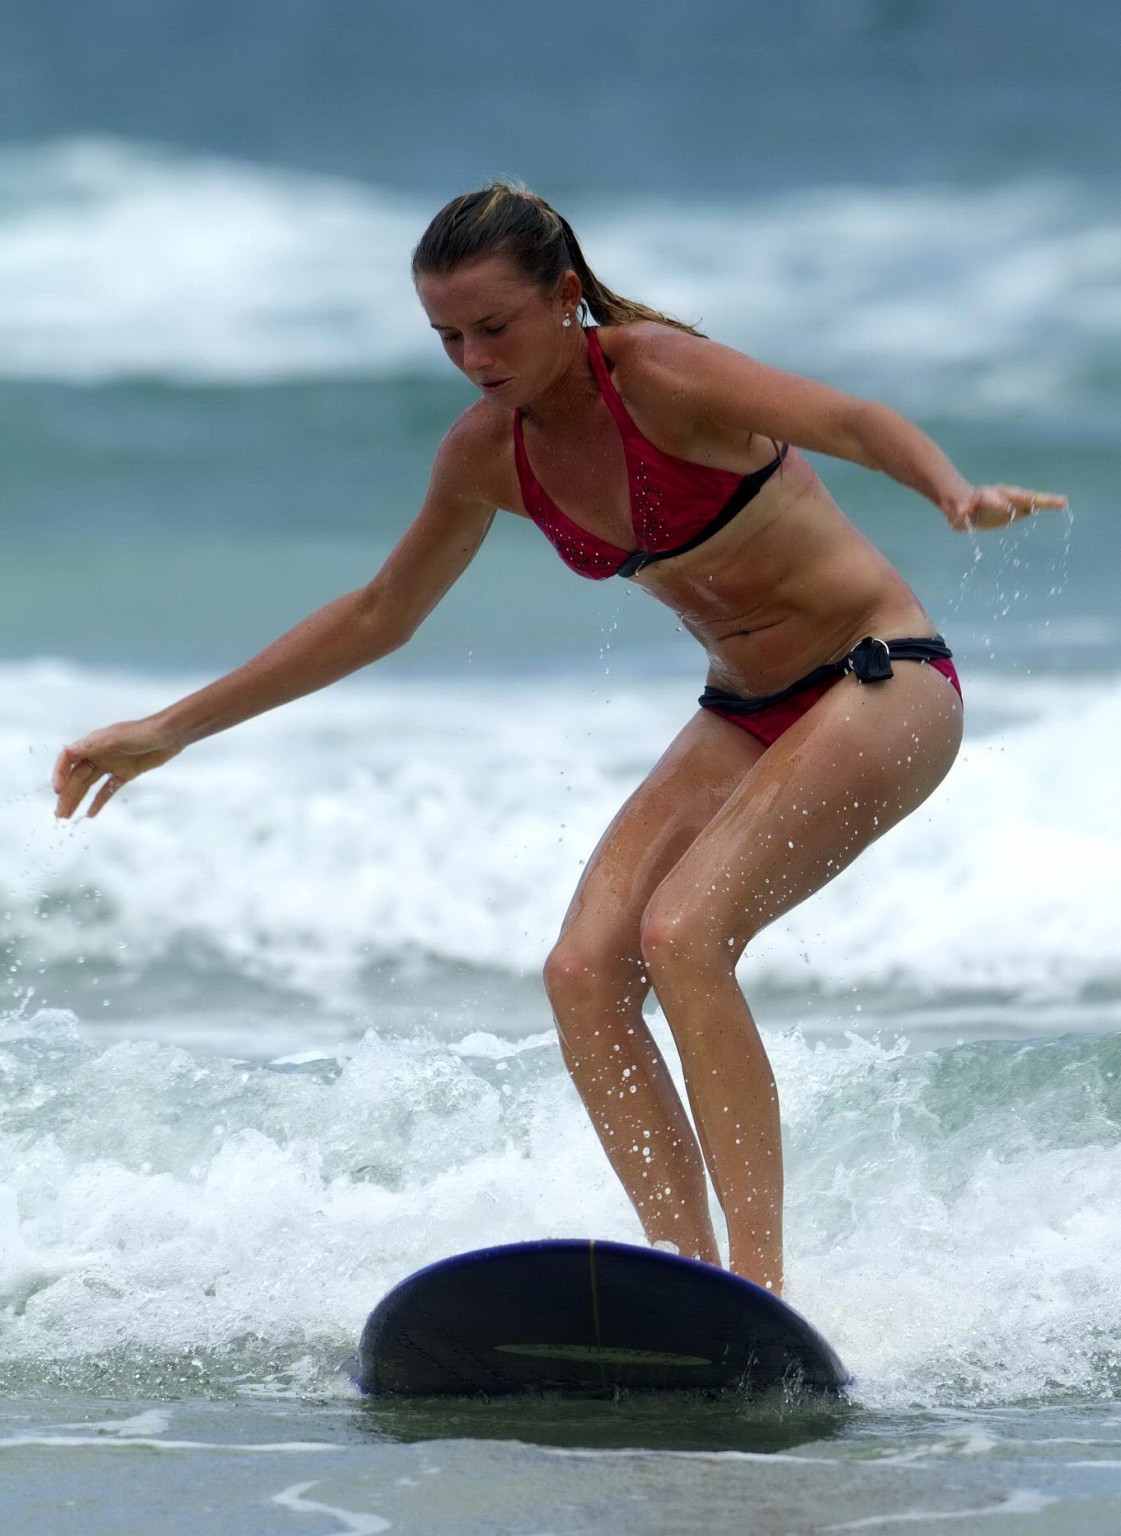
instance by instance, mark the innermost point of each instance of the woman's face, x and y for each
(499, 328)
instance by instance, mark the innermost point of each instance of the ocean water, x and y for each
(272, 1033)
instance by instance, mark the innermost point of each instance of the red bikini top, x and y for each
(674, 504)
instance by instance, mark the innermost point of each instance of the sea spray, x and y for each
(953, 1216)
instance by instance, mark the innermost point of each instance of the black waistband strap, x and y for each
(870, 661)
(748, 488)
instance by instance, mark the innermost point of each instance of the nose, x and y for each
(476, 356)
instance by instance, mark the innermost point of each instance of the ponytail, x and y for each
(500, 219)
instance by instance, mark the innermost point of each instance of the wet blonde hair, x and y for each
(502, 219)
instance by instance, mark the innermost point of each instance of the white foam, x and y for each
(356, 1524)
(101, 1442)
(124, 260)
(23, 1270)
(953, 1218)
(959, 1212)
(212, 1206)
(391, 822)
(152, 1422)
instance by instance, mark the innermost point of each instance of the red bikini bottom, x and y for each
(767, 718)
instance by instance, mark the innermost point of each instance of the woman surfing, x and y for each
(831, 708)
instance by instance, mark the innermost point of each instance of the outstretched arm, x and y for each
(732, 397)
(879, 438)
(347, 634)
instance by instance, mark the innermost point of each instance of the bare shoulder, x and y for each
(470, 463)
(687, 392)
(653, 361)
(701, 392)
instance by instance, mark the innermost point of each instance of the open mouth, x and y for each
(492, 384)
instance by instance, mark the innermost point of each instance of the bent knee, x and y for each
(677, 934)
(579, 974)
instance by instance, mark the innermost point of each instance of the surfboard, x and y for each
(584, 1317)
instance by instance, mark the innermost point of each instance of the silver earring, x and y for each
(567, 321)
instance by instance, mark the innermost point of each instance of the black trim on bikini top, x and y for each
(748, 488)
(870, 661)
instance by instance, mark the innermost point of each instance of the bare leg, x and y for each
(853, 766)
(597, 982)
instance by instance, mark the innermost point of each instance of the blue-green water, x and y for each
(272, 1034)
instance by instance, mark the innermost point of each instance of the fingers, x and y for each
(65, 763)
(73, 778)
(1036, 499)
(996, 506)
(1019, 502)
(115, 755)
(1028, 499)
(104, 795)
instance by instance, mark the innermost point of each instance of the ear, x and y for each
(570, 292)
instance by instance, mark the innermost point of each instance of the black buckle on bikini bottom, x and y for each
(870, 660)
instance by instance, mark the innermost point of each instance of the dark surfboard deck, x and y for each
(584, 1317)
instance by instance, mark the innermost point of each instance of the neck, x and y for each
(571, 388)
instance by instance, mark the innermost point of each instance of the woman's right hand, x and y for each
(108, 758)
(346, 634)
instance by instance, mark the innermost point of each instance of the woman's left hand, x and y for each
(995, 506)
